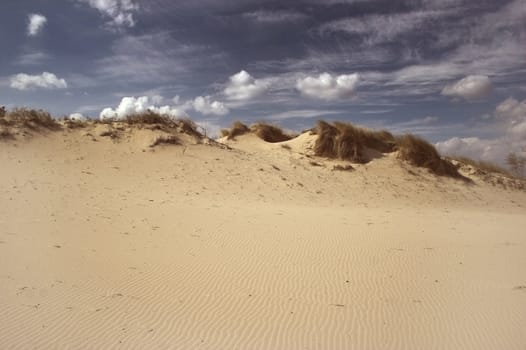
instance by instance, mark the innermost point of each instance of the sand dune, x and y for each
(107, 242)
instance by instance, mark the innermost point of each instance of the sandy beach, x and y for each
(108, 243)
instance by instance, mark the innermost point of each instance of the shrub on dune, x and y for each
(382, 141)
(148, 117)
(269, 133)
(187, 126)
(30, 118)
(348, 142)
(237, 129)
(164, 122)
(421, 153)
(325, 143)
(266, 132)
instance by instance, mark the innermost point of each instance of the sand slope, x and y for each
(109, 243)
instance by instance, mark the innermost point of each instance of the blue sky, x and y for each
(453, 71)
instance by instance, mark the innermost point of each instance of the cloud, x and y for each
(206, 106)
(328, 87)
(242, 86)
(473, 147)
(132, 105)
(420, 126)
(35, 24)
(120, 12)
(376, 111)
(472, 87)
(155, 58)
(275, 16)
(302, 113)
(379, 28)
(512, 110)
(419, 121)
(32, 58)
(402, 56)
(45, 80)
(157, 99)
(510, 118)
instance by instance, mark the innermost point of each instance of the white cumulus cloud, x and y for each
(45, 80)
(206, 106)
(510, 118)
(328, 87)
(242, 86)
(120, 12)
(35, 24)
(472, 87)
(133, 105)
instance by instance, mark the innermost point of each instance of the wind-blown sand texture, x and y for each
(107, 243)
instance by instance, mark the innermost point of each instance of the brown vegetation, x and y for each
(266, 132)
(421, 153)
(237, 129)
(29, 118)
(348, 142)
(269, 133)
(149, 117)
(187, 126)
(161, 122)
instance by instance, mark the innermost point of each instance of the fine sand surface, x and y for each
(110, 244)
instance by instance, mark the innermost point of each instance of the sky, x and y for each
(451, 71)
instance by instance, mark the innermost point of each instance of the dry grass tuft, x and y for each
(187, 126)
(153, 120)
(29, 118)
(348, 142)
(237, 129)
(325, 145)
(269, 133)
(266, 132)
(149, 117)
(421, 153)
